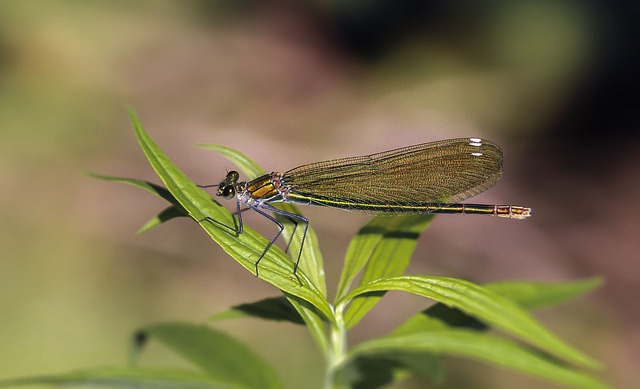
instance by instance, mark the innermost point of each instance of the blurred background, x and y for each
(554, 83)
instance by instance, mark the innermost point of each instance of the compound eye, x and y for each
(233, 176)
(228, 192)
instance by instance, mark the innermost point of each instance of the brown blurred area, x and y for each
(554, 83)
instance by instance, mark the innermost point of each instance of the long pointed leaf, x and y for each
(125, 378)
(176, 210)
(483, 304)
(359, 252)
(217, 354)
(167, 214)
(315, 323)
(272, 308)
(389, 258)
(532, 295)
(148, 186)
(529, 295)
(481, 347)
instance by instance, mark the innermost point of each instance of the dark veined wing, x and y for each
(446, 171)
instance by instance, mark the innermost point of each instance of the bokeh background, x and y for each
(555, 83)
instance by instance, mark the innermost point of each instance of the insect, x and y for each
(429, 178)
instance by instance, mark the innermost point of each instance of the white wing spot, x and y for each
(475, 142)
(476, 154)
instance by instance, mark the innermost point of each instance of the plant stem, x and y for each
(337, 348)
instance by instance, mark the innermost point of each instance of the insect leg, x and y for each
(280, 229)
(295, 218)
(237, 230)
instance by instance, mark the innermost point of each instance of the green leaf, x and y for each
(529, 295)
(125, 378)
(216, 353)
(148, 186)
(272, 308)
(532, 295)
(382, 257)
(315, 323)
(393, 254)
(176, 210)
(360, 250)
(482, 303)
(311, 261)
(438, 317)
(247, 165)
(478, 346)
(286, 308)
(275, 268)
(167, 214)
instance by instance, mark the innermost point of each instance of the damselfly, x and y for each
(427, 178)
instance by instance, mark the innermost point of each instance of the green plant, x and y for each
(380, 253)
